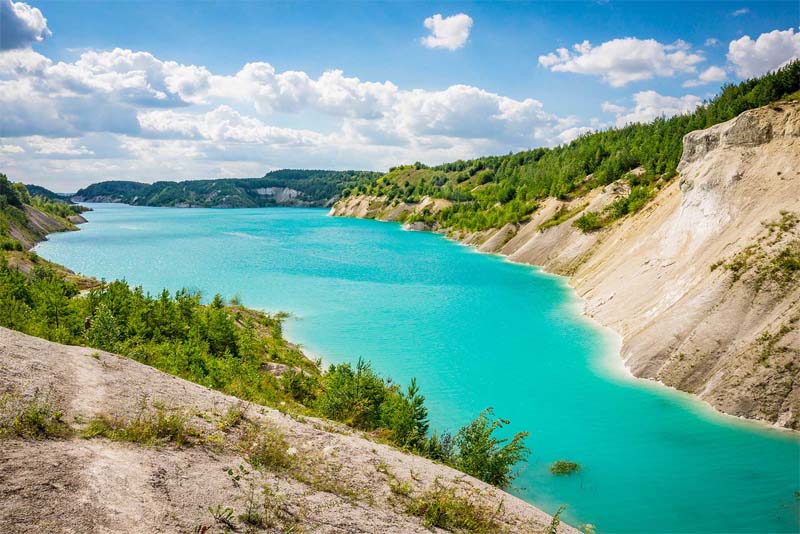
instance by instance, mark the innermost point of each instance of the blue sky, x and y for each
(157, 90)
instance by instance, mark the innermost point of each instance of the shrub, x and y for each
(588, 222)
(487, 457)
(563, 467)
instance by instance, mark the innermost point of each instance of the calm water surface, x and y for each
(475, 331)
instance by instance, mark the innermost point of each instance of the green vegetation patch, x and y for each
(561, 215)
(31, 417)
(563, 467)
(153, 426)
(443, 507)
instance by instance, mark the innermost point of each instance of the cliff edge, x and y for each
(702, 283)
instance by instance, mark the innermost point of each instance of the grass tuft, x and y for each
(154, 427)
(31, 417)
(265, 447)
(441, 507)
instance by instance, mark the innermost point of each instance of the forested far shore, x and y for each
(289, 187)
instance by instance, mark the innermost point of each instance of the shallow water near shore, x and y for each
(476, 331)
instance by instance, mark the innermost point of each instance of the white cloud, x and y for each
(711, 74)
(21, 25)
(573, 133)
(768, 52)
(11, 149)
(621, 61)
(649, 105)
(608, 107)
(447, 32)
(223, 124)
(712, 41)
(740, 12)
(61, 146)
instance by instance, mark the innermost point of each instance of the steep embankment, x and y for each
(702, 284)
(312, 475)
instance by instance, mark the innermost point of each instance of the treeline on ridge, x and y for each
(491, 191)
(313, 187)
(14, 197)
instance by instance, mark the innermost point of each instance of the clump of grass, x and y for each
(327, 478)
(440, 506)
(31, 417)
(221, 515)
(400, 487)
(232, 417)
(563, 467)
(154, 427)
(265, 447)
(397, 486)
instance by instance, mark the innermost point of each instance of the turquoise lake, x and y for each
(476, 331)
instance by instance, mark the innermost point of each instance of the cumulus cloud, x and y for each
(447, 32)
(711, 74)
(712, 41)
(21, 25)
(62, 146)
(740, 12)
(621, 61)
(223, 124)
(649, 105)
(768, 52)
(573, 133)
(135, 93)
(11, 149)
(608, 107)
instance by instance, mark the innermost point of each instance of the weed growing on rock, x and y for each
(441, 506)
(155, 426)
(31, 417)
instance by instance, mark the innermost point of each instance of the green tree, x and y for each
(103, 332)
(487, 457)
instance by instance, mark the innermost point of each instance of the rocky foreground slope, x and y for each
(702, 284)
(312, 475)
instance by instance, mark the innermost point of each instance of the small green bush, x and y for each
(563, 467)
(588, 222)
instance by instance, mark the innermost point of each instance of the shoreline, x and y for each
(611, 363)
(614, 364)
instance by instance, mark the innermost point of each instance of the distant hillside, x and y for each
(277, 188)
(39, 191)
(26, 219)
